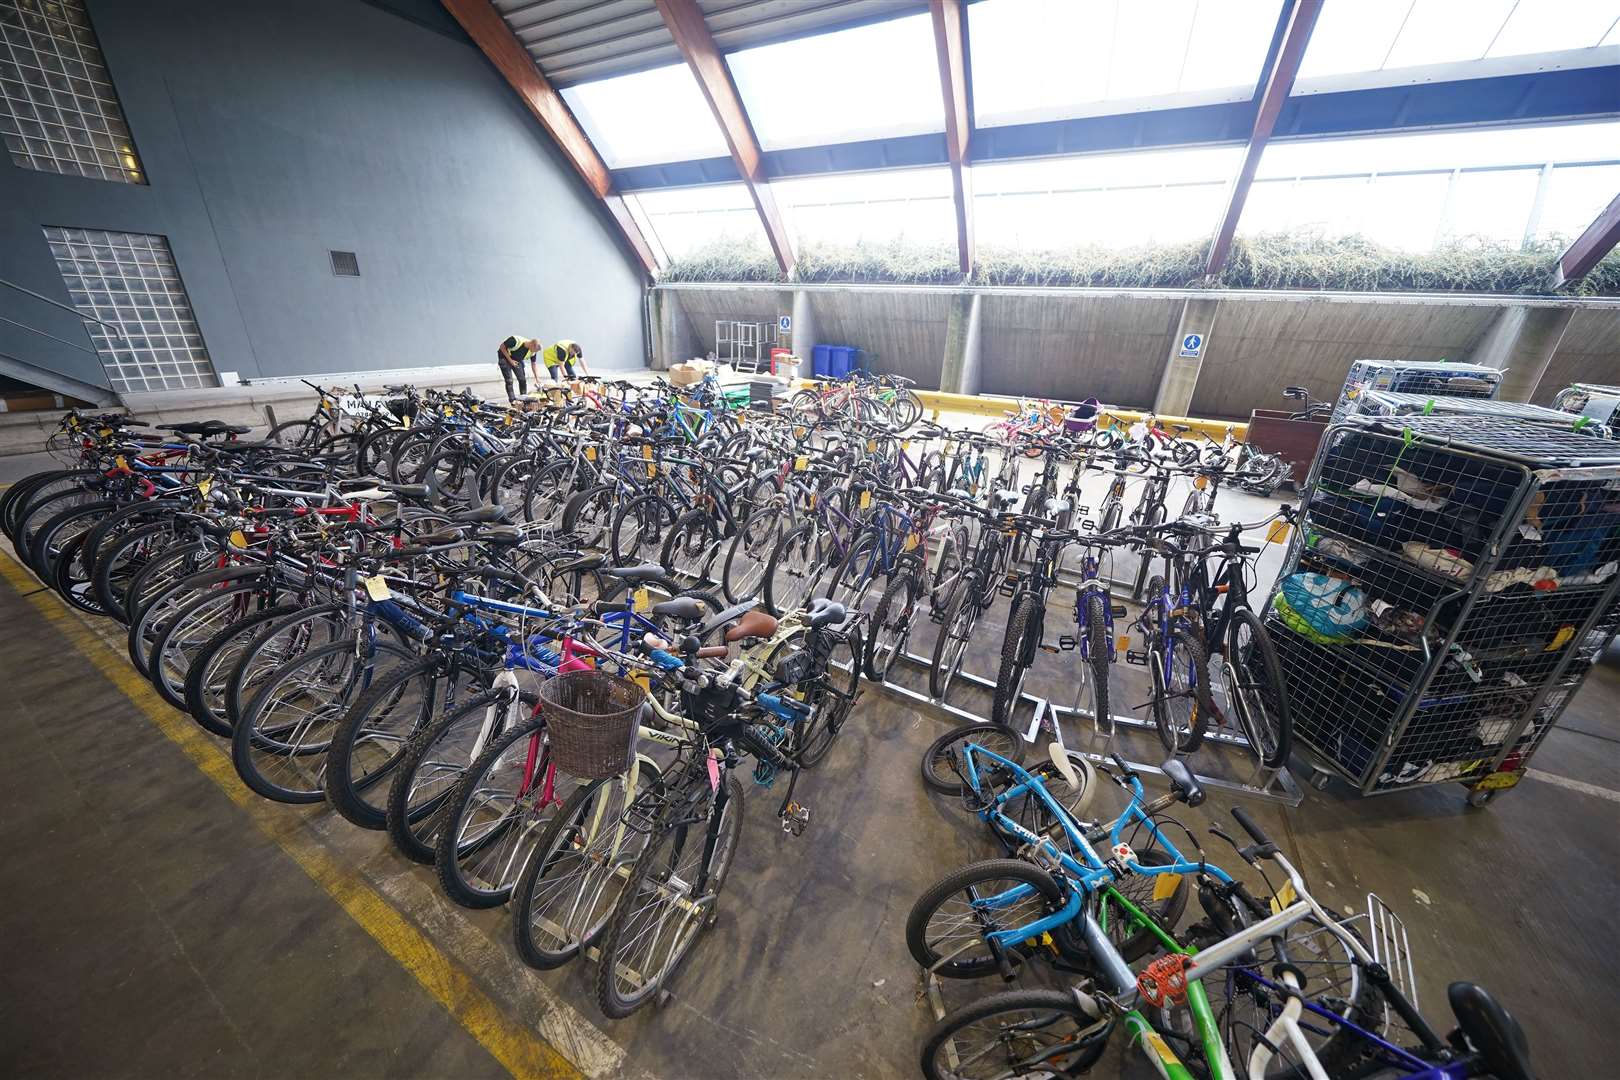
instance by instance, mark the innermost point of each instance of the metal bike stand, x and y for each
(1273, 785)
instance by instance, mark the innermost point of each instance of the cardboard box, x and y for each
(687, 374)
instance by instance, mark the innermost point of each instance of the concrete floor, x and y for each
(157, 926)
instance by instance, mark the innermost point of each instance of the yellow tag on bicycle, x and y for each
(204, 486)
(377, 588)
(652, 470)
(1124, 643)
(103, 432)
(1278, 532)
(448, 411)
(590, 453)
(406, 420)
(801, 463)
(239, 539)
(1165, 886)
(1285, 896)
(813, 500)
(120, 463)
(911, 542)
(1200, 482)
(871, 446)
(643, 600)
(646, 451)
(866, 500)
(906, 444)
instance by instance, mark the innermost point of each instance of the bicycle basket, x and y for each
(591, 719)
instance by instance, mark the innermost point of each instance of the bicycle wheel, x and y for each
(1153, 516)
(183, 637)
(750, 551)
(277, 643)
(573, 880)
(794, 568)
(940, 760)
(433, 763)
(303, 434)
(891, 623)
(1035, 1033)
(121, 559)
(857, 584)
(1017, 652)
(957, 630)
(1091, 694)
(661, 911)
(69, 579)
(210, 673)
(589, 514)
(499, 806)
(949, 570)
(830, 697)
(1181, 704)
(279, 747)
(639, 527)
(371, 740)
(948, 928)
(1162, 897)
(547, 492)
(1253, 680)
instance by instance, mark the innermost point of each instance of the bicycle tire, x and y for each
(616, 1005)
(891, 624)
(1098, 645)
(937, 772)
(927, 949)
(1014, 667)
(575, 861)
(209, 677)
(1178, 737)
(1262, 671)
(1030, 1011)
(955, 633)
(378, 713)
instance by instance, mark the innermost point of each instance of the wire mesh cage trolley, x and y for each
(1415, 377)
(1452, 581)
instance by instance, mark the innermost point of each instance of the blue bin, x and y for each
(821, 361)
(842, 357)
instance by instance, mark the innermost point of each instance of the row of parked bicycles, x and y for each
(545, 728)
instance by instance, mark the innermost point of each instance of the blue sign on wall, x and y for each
(1192, 346)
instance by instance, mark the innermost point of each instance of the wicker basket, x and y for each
(591, 721)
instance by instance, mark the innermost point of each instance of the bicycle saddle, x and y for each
(206, 428)
(1006, 498)
(1181, 782)
(501, 534)
(684, 608)
(407, 491)
(960, 493)
(493, 514)
(824, 612)
(586, 562)
(439, 536)
(1057, 506)
(755, 623)
(644, 572)
(1492, 1031)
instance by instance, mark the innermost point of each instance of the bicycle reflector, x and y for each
(1165, 979)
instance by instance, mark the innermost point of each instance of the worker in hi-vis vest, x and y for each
(561, 358)
(510, 357)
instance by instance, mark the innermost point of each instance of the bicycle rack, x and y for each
(1273, 785)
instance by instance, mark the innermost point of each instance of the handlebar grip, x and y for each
(1253, 828)
(603, 607)
(409, 551)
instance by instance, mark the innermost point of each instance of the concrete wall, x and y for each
(1261, 346)
(1071, 344)
(1589, 352)
(1075, 346)
(273, 132)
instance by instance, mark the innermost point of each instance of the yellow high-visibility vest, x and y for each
(556, 354)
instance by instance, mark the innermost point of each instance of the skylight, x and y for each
(647, 118)
(866, 82)
(684, 221)
(1047, 59)
(1443, 150)
(913, 206)
(1354, 36)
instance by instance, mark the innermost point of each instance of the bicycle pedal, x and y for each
(1140, 659)
(795, 819)
(1067, 643)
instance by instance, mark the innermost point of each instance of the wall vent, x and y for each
(345, 264)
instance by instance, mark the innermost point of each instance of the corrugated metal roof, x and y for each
(577, 41)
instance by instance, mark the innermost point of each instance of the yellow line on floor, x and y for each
(520, 1050)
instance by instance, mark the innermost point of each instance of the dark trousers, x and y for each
(507, 374)
(555, 372)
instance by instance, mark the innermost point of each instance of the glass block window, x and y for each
(58, 109)
(130, 281)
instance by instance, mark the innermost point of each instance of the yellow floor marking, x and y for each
(516, 1047)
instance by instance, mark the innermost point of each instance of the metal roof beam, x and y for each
(1590, 247)
(685, 21)
(1275, 82)
(950, 45)
(486, 27)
